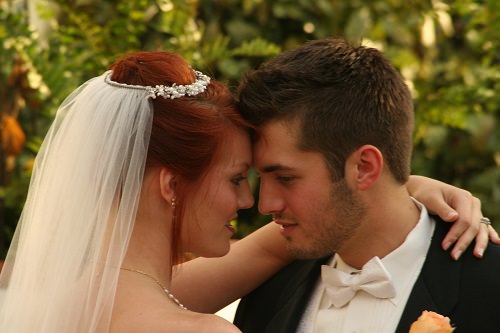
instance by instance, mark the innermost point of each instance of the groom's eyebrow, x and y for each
(273, 168)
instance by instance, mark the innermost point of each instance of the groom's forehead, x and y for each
(276, 147)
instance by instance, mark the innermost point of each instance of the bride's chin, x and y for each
(214, 252)
(219, 252)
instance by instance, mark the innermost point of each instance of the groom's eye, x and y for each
(285, 179)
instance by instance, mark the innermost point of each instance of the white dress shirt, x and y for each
(366, 313)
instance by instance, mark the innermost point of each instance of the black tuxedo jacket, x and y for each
(467, 291)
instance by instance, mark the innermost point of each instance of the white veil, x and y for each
(62, 268)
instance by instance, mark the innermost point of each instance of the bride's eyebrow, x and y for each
(243, 165)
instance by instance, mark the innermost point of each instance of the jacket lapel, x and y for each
(295, 301)
(436, 288)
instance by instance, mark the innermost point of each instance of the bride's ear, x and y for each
(167, 184)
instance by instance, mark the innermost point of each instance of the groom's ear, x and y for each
(364, 167)
(167, 184)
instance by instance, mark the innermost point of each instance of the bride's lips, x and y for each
(230, 225)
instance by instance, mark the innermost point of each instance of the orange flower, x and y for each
(431, 322)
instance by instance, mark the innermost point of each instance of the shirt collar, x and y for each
(402, 262)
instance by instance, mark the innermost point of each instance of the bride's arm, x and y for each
(453, 204)
(209, 284)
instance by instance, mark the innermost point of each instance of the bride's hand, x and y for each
(453, 204)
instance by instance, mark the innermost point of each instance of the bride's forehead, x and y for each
(235, 149)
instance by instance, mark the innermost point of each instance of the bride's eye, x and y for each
(238, 179)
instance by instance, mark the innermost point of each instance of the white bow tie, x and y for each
(373, 278)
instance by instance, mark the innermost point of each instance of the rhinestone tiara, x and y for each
(170, 92)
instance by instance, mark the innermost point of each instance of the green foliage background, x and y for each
(449, 52)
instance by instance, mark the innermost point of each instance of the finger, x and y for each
(465, 239)
(443, 210)
(482, 239)
(493, 235)
(459, 229)
(466, 207)
(469, 223)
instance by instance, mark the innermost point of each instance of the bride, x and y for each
(142, 164)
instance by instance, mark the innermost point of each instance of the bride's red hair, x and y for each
(187, 132)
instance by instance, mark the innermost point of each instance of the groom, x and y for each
(333, 151)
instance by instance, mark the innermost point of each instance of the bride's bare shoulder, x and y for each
(172, 321)
(209, 323)
(144, 310)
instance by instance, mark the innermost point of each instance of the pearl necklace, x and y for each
(165, 290)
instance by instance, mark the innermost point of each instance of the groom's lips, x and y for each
(286, 228)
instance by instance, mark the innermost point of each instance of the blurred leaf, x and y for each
(257, 48)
